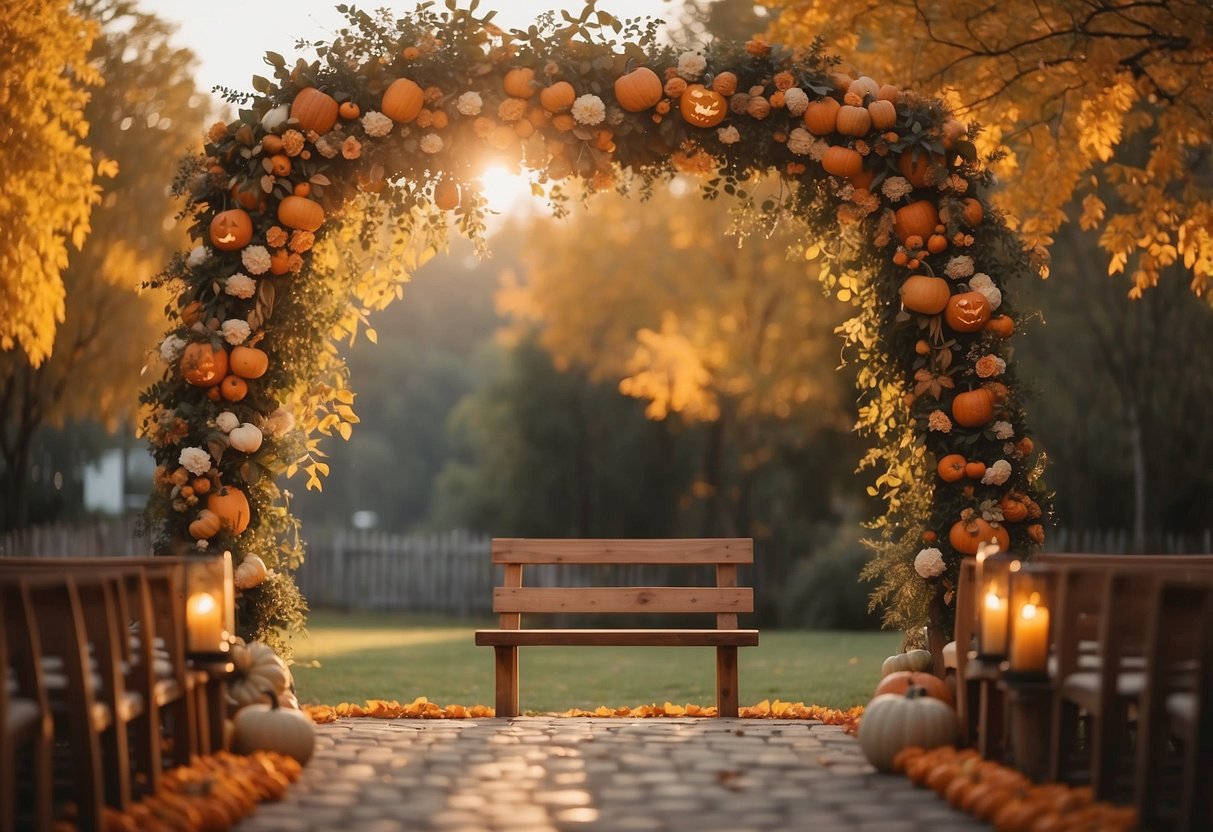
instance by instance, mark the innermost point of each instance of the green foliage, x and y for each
(824, 591)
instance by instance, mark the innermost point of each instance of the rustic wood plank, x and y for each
(726, 681)
(682, 551)
(726, 576)
(617, 638)
(623, 599)
(512, 580)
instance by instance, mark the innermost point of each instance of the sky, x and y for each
(231, 36)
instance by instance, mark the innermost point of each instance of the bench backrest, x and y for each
(726, 599)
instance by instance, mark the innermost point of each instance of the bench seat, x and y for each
(617, 638)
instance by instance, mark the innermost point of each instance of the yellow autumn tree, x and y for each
(1109, 104)
(660, 298)
(49, 187)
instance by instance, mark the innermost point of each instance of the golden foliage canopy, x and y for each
(49, 187)
(1109, 104)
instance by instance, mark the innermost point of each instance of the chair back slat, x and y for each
(602, 551)
(657, 599)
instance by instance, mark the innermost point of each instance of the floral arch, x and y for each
(373, 147)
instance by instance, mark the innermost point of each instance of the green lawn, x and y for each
(358, 656)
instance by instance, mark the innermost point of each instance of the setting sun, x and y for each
(506, 192)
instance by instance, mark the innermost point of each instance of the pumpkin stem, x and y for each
(916, 692)
(274, 698)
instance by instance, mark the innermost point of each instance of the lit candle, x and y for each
(1030, 637)
(994, 623)
(204, 623)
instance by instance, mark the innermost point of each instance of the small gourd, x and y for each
(247, 438)
(206, 526)
(919, 660)
(250, 572)
(258, 669)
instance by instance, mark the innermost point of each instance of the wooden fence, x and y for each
(450, 572)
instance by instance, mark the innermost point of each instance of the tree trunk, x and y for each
(1137, 442)
(713, 474)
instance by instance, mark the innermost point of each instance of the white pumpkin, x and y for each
(227, 421)
(919, 661)
(274, 119)
(246, 438)
(268, 727)
(250, 572)
(258, 669)
(894, 721)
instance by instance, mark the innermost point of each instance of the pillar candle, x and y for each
(1030, 638)
(994, 624)
(203, 623)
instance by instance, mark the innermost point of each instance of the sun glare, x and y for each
(506, 192)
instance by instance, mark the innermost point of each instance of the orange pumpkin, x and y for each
(974, 408)
(300, 212)
(883, 113)
(348, 110)
(1001, 325)
(280, 164)
(206, 526)
(864, 87)
(232, 507)
(951, 468)
(925, 294)
(821, 117)
(638, 90)
(402, 100)
(863, 179)
(701, 107)
(967, 312)
(971, 211)
(918, 219)
(314, 110)
(888, 92)
(853, 121)
(271, 144)
(280, 261)
(918, 166)
(248, 362)
(248, 195)
(446, 194)
(519, 82)
(1013, 510)
(203, 365)
(842, 161)
(966, 535)
(231, 230)
(233, 388)
(975, 470)
(558, 97)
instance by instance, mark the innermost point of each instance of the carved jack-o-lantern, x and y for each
(967, 312)
(702, 107)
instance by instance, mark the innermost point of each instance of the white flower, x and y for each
(376, 124)
(240, 285)
(896, 187)
(691, 65)
(959, 267)
(235, 331)
(997, 473)
(227, 421)
(469, 104)
(818, 150)
(203, 545)
(195, 460)
(170, 348)
(981, 282)
(327, 145)
(588, 109)
(197, 256)
(280, 421)
(796, 100)
(431, 143)
(728, 135)
(256, 259)
(928, 563)
(1002, 430)
(800, 141)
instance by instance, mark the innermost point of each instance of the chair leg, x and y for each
(507, 680)
(726, 681)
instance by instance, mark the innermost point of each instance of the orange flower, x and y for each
(217, 132)
(675, 87)
(276, 237)
(784, 80)
(757, 47)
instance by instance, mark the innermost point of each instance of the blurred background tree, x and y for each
(45, 77)
(1108, 105)
(145, 117)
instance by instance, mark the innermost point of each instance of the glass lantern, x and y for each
(210, 605)
(1031, 598)
(994, 570)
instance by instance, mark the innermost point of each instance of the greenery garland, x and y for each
(339, 177)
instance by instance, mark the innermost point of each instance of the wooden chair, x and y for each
(1175, 790)
(726, 600)
(25, 717)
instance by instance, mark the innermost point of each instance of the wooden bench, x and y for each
(726, 600)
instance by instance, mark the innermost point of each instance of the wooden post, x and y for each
(507, 680)
(726, 681)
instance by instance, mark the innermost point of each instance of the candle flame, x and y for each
(1027, 611)
(202, 602)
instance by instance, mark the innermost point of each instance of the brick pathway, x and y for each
(538, 774)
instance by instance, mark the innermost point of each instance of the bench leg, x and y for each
(726, 681)
(507, 680)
